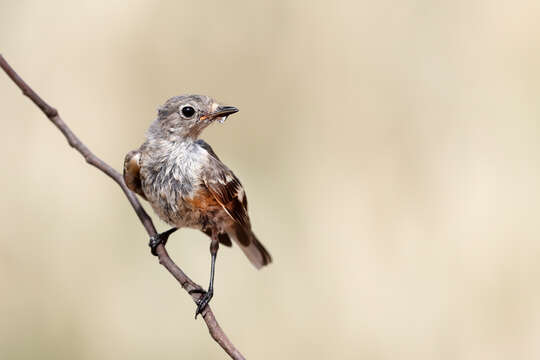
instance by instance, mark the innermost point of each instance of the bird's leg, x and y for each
(207, 295)
(160, 239)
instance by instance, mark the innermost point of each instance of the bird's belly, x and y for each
(197, 209)
(177, 194)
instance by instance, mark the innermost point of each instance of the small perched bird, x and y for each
(188, 185)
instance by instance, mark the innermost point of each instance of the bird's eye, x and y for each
(188, 111)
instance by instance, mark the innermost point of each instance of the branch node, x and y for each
(51, 112)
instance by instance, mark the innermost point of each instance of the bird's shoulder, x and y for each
(206, 147)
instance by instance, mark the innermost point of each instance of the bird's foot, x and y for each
(154, 242)
(203, 300)
(160, 239)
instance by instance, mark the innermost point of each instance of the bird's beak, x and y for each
(220, 112)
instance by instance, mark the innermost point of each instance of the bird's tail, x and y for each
(251, 246)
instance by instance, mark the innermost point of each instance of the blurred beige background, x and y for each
(390, 152)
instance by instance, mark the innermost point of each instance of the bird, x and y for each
(187, 184)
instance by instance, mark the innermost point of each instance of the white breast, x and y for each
(171, 178)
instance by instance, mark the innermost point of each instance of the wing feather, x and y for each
(229, 193)
(225, 188)
(132, 172)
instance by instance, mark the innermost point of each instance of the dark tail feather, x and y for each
(222, 237)
(252, 247)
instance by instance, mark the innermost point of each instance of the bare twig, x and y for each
(213, 327)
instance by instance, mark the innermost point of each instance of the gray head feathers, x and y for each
(182, 117)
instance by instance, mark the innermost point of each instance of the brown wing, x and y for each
(225, 188)
(229, 193)
(131, 172)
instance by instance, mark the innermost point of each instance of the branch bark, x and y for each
(187, 284)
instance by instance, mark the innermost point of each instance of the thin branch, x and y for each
(213, 327)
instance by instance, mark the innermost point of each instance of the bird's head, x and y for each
(186, 116)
